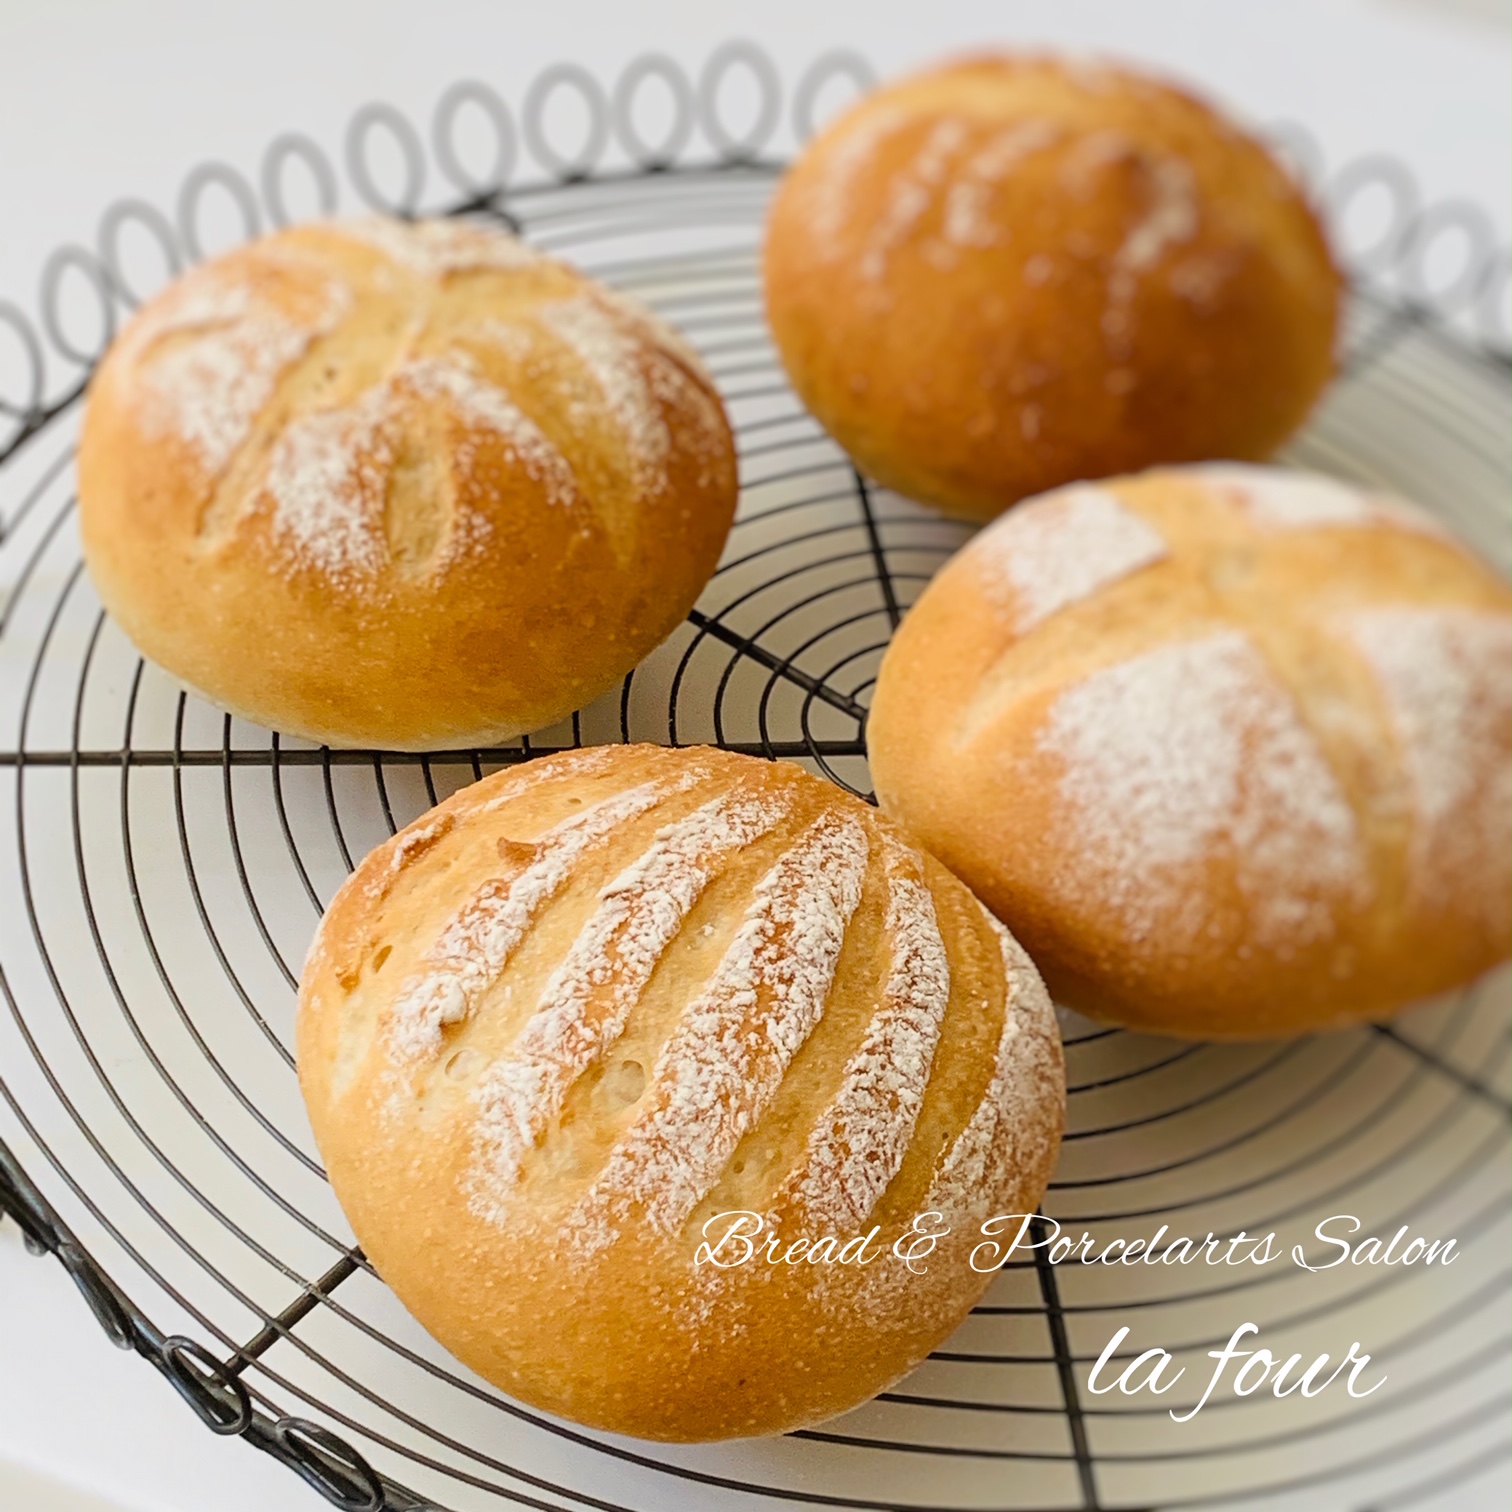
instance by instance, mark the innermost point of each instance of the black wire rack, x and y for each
(162, 867)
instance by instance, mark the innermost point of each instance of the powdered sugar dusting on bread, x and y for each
(515, 338)
(1054, 551)
(1008, 1131)
(327, 477)
(583, 761)
(1187, 752)
(911, 195)
(477, 942)
(437, 248)
(211, 355)
(485, 406)
(657, 328)
(415, 840)
(859, 1140)
(589, 997)
(613, 357)
(1446, 674)
(968, 219)
(831, 207)
(1277, 498)
(727, 1056)
(1172, 218)
(328, 473)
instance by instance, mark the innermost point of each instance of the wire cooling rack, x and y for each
(162, 867)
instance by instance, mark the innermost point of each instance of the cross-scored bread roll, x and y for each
(1226, 747)
(401, 485)
(554, 1027)
(1015, 271)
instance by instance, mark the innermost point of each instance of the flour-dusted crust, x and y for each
(560, 1022)
(1011, 272)
(402, 485)
(1226, 747)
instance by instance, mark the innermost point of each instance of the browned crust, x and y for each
(960, 379)
(620, 1341)
(966, 771)
(457, 648)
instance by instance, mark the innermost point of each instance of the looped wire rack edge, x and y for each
(164, 866)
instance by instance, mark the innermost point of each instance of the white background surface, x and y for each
(98, 100)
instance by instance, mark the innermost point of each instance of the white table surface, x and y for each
(98, 100)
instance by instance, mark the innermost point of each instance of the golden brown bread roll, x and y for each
(1226, 747)
(1012, 272)
(400, 485)
(554, 1027)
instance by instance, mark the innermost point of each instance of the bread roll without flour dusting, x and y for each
(1226, 747)
(556, 1025)
(1015, 271)
(400, 485)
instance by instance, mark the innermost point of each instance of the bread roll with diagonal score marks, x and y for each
(406, 485)
(551, 1030)
(1015, 270)
(1225, 746)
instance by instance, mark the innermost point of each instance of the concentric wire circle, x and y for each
(162, 867)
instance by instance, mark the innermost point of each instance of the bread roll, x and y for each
(1226, 747)
(552, 1029)
(400, 485)
(1013, 272)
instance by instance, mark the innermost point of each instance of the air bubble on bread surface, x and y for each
(462, 1063)
(626, 1080)
(1056, 550)
(590, 996)
(475, 945)
(727, 1056)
